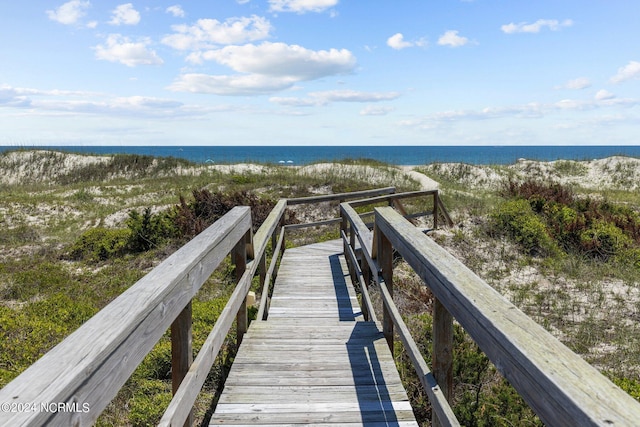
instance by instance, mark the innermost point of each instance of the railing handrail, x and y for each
(184, 398)
(369, 246)
(341, 196)
(560, 386)
(90, 366)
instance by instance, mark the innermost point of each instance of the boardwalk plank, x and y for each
(314, 361)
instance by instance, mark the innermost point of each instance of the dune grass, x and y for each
(592, 305)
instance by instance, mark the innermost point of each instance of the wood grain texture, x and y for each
(93, 363)
(561, 387)
(314, 361)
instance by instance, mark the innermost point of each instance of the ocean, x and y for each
(398, 155)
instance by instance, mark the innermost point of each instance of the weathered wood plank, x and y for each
(391, 197)
(341, 196)
(93, 363)
(311, 351)
(558, 384)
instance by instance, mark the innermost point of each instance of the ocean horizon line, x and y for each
(408, 155)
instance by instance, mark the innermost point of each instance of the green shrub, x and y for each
(99, 244)
(43, 277)
(565, 223)
(603, 240)
(631, 386)
(148, 230)
(29, 332)
(481, 397)
(149, 402)
(516, 218)
(157, 364)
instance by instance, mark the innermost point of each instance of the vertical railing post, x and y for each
(366, 278)
(276, 235)
(262, 269)
(384, 256)
(181, 352)
(435, 210)
(344, 228)
(240, 261)
(442, 359)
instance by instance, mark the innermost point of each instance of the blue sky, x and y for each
(320, 72)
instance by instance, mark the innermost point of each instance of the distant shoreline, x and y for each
(396, 155)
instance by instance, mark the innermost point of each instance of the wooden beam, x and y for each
(558, 384)
(391, 197)
(385, 262)
(181, 351)
(91, 365)
(341, 196)
(442, 361)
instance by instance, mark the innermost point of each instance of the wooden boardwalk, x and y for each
(314, 361)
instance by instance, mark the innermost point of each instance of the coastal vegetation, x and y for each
(560, 243)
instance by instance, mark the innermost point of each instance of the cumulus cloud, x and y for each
(121, 49)
(576, 84)
(208, 33)
(602, 95)
(301, 6)
(125, 14)
(398, 42)
(452, 39)
(70, 12)
(628, 72)
(283, 60)
(253, 84)
(265, 68)
(536, 27)
(176, 10)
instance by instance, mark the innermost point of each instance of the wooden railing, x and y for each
(83, 373)
(558, 385)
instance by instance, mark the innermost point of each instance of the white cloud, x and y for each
(265, 68)
(576, 84)
(125, 14)
(295, 102)
(530, 110)
(70, 12)
(252, 84)
(452, 39)
(628, 72)
(242, 1)
(301, 6)
(536, 27)
(283, 60)
(81, 102)
(398, 42)
(121, 49)
(176, 10)
(354, 96)
(602, 95)
(207, 33)
(326, 97)
(375, 110)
